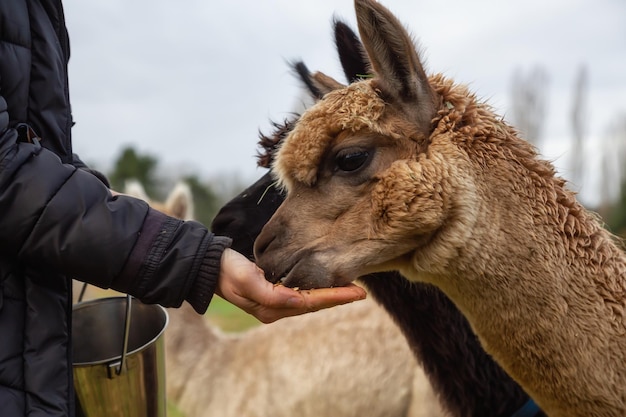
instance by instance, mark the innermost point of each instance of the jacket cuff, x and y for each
(203, 288)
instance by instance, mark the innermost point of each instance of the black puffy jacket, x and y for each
(59, 221)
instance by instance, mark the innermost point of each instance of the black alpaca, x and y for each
(466, 379)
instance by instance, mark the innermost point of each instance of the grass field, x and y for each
(228, 317)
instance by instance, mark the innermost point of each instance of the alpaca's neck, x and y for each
(467, 380)
(542, 284)
(550, 308)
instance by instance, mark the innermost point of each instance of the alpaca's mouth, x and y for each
(279, 277)
(291, 278)
(307, 274)
(276, 278)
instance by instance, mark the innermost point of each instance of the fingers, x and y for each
(287, 302)
(318, 299)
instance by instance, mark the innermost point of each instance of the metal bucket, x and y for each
(119, 358)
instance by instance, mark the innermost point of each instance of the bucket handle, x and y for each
(120, 364)
(83, 289)
(126, 334)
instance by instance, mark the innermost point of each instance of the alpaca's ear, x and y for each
(179, 203)
(395, 60)
(326, 83)
(303, 73)
(134, 188)
(318, 84)
(353, 61)
(351, 53)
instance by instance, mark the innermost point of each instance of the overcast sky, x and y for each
(193, 81)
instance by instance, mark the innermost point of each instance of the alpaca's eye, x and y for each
(351, 160)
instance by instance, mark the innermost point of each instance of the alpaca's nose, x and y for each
(243, 217)
(262, 243)
(233, 224)
(268, 259)
(224, 223)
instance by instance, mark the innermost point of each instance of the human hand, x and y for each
(243, 283)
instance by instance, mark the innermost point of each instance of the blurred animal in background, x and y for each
(346, 361)
(179, 202)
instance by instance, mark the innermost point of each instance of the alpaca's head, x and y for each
(243, 217)
(385, 173)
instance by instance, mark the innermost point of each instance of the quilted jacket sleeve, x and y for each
(64, 219)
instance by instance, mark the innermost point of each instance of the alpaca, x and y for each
(411, 173)
(466, 379)
(350, 360)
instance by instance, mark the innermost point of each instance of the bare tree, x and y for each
(579, 122)
(528, 93)
(613, 174)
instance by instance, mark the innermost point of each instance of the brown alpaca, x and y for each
(346, 361)
(404, 172)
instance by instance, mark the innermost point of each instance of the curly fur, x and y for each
(466, 379)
